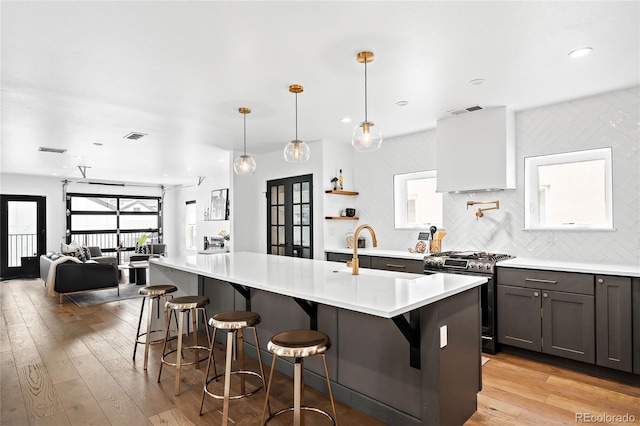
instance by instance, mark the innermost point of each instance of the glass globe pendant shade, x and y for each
(296, 152)
(244, 165)
(366, 137)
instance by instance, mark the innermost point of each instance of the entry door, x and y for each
(23, 233)
(290, 216)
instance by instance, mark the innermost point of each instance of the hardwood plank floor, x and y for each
(62, 364)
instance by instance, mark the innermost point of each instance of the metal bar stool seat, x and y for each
(233, 322)
(299, 344)
(177, 307)
(151, 293)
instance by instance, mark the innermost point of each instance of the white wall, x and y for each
(175, 202)
(610, 119)
(249, 206)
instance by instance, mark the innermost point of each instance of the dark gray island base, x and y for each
(369, 362)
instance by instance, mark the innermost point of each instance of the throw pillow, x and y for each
(86, 253)
(74, 250)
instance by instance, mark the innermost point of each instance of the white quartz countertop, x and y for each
(380, 293)
(556, 265)
(406, 254)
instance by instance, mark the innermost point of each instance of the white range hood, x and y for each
(476, 151)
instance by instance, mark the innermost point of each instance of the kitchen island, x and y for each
(406, 347)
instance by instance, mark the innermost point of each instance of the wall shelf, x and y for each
(340, 192)
(341, 218)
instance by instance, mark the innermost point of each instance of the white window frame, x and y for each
(190, 226)
(400, 197)
(531, 188)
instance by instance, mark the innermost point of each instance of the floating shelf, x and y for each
(341, 218)
(339, 192)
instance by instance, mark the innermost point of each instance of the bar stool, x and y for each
(234, 323)
(151, 293)
(177, 307)
(299, 344)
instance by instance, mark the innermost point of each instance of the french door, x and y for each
(290, 216)
(23, 233)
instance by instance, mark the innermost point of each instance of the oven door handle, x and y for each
(538, 280)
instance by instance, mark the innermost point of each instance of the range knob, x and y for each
(472, 265)
(487, 267)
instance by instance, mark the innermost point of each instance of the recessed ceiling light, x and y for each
(579, 53)
(189, 168)
(346, 119)
(165, 175)
(78, 157)
(476, 81)
(402, 103)
(54, 174)
(65, 167)
(221, 160)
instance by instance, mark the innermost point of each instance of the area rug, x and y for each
(98, 297)
(485, 360)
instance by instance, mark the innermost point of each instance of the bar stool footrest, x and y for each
(304, 407)
(151, 342)
(173, 364)
(247, 372)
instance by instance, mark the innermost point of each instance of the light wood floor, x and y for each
(66, 365)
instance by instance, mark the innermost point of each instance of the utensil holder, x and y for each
(435, 246)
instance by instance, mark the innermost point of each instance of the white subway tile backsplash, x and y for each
(610, 119)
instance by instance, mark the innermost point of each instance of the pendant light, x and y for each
(366, 137)
(296, 151)
(244, 165)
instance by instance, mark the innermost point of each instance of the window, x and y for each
(113, 223)
(417, 204)
(572, 190)
(190, 220)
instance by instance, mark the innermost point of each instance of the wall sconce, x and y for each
(480, 211)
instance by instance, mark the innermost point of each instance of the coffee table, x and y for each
(138, 272)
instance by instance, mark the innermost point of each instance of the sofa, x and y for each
(67, 274)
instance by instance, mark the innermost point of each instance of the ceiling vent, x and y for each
(56, 150)
(466, 110)
(135, 136)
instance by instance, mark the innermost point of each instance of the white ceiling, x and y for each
(78, 73)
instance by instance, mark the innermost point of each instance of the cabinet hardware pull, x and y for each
(537, 280)
(536, 294)
(393, 265)
(600, 280)
(545, 295)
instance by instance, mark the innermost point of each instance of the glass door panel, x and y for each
(289, 218)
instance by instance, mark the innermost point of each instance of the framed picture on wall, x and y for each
(219, 209)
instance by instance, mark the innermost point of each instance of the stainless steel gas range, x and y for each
(473, 263)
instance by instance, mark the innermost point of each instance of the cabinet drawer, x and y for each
(569, 282)
(398, 265)
(363, 261)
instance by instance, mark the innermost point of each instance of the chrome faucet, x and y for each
(354, 261)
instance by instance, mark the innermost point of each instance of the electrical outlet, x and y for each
(443, 336)
(550, 239)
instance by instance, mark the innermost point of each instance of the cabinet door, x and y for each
(567, 325)
(519, 317)
(613, 322)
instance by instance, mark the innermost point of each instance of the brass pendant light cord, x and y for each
(365, 90)
(244, 150)
(296, 116)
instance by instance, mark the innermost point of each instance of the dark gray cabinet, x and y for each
(547, 311)
(397, 264)
(414, 266)
(635, 328)
(613, 322)
(363, 261)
